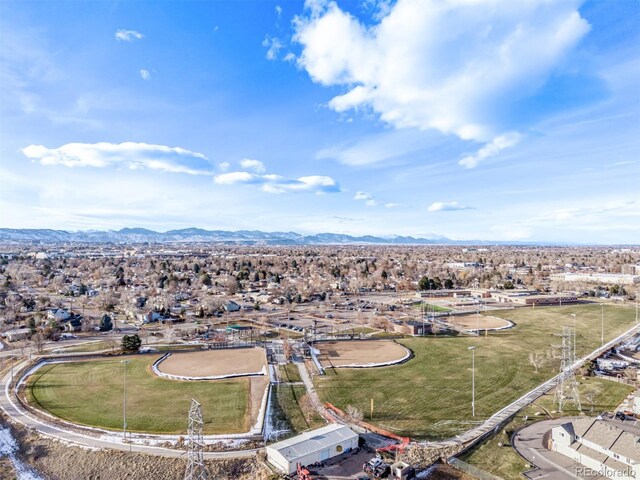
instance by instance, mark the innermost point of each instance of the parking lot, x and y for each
(347, 466)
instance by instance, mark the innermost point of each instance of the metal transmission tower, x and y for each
(196, 469)
(567, 388)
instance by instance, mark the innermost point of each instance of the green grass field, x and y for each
(89, 347)
(430, 396)
(429, 307)
(505, 462)
(296, 408)
(290, 373)
(359, 330)
(91, 393)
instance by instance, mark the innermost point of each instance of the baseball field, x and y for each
(360, 352)
(90, 392)
(430, 395)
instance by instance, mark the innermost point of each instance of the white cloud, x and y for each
(224, 166)
(273, 46)
(362, 196)
(446, 206)
(596, 216)
(491, 149)
(278, 10)
(132, 155)
(271, 183)
(233, 178)
(370, 201)
(145, 74)
(255, 165)
(447, 65)
(128, 35)
(381, 148)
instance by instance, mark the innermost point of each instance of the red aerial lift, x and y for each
(303, 473)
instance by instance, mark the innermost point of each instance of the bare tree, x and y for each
(630, 375)
(169, 333)
(112, 342)
(286, 347)
(38, 342)
(591, 395)
(354, 414)
(536, 360)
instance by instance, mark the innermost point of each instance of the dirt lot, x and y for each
(474, 321)
(360, 352)
(214, 362)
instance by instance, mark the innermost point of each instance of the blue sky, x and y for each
(492, 120)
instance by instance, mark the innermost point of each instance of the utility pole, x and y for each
(473, 380)
(124, 403)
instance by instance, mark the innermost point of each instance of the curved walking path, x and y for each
(11, 407)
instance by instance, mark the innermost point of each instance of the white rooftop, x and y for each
(313, 441)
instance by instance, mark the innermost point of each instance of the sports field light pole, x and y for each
(574, 335)
(473, 380)
(124, 403)
(602, 327)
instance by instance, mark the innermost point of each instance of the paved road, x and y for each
(528, 442)
(13, 410)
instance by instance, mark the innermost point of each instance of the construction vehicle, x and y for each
(303, 473)
(377, 467)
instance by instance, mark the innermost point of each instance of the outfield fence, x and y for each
(471, 470)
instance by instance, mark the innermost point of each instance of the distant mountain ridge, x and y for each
(240, 237)
(193, 235)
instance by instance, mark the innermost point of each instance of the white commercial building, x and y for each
(311, 447)
(17, 334)
(608, 447)
(608, 278)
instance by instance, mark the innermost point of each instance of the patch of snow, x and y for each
(426, 473)
(8, 448)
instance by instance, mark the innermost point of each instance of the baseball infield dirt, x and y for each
(215, 362)
(477, 321)
(360, 352)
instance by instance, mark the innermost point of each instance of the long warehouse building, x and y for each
(311, 447)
